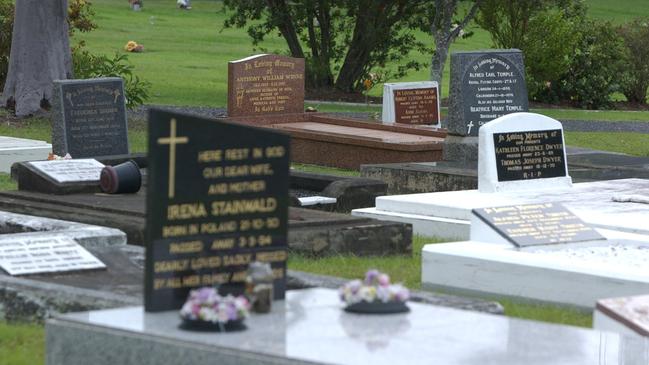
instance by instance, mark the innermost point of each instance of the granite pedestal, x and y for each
(311, 328)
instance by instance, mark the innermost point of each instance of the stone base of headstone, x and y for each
(460, 149)
(310, 327)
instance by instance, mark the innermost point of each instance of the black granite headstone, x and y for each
(217, 200)
(529, 155)
(485, 85)
(89, 118)
(537, 224)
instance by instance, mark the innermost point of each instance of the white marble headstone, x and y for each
(522, 151)
(419, 103)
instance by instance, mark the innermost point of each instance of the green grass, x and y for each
(407, 270)
(635, 144)
(22, 344)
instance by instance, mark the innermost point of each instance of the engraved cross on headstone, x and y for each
(172, 141)
(470, 125)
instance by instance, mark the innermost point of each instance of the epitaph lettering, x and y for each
(89, 118)
(537, 224)
(485, 85)
(416, 106)
(265, 84)
(529, 155)
(217, 200)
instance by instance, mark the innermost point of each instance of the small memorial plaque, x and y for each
(33, 255)
(411, 103)
(265, 84)
(485, 85)
(89, 118)
(70, 170)
(529, 155)
(217, 200)
(537, 224)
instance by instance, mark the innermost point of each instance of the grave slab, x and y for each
(310, 328)
(624, 315)
(576, 274)
(14, 150)
(447, 214)
(411, 103)
(322, 139)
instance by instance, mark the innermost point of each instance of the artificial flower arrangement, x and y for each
(52, 156)
(132, 46)
(375, 294)
(205, 309)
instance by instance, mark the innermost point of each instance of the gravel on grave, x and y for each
(615, 254)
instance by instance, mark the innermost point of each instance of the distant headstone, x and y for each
(485, 85)
(411, 103)
(531, 225)
(217, 200)
(63, 171)
(522, 151)
(33, 255)
(89, 118)
(265, 84)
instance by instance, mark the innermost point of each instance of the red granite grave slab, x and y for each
(632, 312)
(329, 140)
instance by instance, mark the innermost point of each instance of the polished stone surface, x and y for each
(311, 328)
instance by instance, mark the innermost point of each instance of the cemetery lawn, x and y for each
(407, 270)
(22, 344)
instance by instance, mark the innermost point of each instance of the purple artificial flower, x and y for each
(370, 276)
(384, 280)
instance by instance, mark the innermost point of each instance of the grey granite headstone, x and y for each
(89, 118)
(484, 85)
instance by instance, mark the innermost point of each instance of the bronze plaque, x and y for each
(265, 84)
(416, 106)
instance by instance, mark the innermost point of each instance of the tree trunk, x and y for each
(40, 53)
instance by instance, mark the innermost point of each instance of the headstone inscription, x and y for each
(63, 171)
(33, 255)
(411, 103)
(265, 84)
(522, 151)
(217, 200)
(89, 118)
(531, 224)
(485, 85)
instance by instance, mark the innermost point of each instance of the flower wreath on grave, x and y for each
(206, 310)
(374, 295)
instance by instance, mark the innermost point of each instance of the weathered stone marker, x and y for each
(89, 118)
(484, 85)
(217, 200)
(265, 85)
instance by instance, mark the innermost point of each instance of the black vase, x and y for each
(120, 179)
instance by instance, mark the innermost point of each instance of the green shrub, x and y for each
(635, 79)
(595, 68)
(87, 65)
